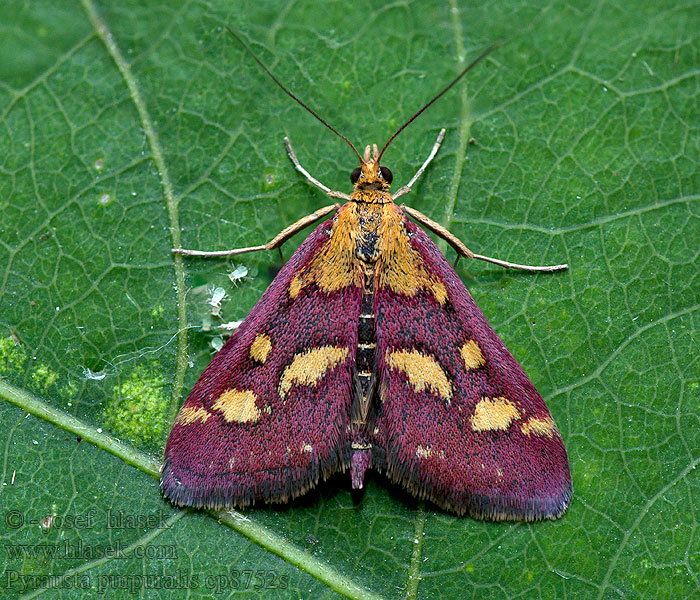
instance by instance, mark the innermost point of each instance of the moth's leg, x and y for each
(462, 250)
(407, 188)
(313, 180)
(275, 242)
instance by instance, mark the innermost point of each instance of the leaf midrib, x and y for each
(170, 202)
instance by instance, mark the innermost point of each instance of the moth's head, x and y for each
(371, 176)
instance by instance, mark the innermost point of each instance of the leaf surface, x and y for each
(131, 128)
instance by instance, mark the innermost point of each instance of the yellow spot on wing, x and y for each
(539, 427)
(423, 452)
(295, 285)
(260, 348)
(492, 414)
(423, 371)
(189, 415)
(471, 353)
(309, 367)
(238, 406)
(334, 265)
(401, 268)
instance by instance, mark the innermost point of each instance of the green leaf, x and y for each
(131, 128)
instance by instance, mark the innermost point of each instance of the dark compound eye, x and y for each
(355, 175)
(386, 174)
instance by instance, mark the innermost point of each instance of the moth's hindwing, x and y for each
(458, 422)
(269, 416)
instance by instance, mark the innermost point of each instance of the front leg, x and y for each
(310, 178)
(407, 188)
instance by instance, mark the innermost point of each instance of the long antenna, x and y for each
(422, 110)
(291, 95)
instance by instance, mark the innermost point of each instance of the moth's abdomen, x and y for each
(366, 337)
